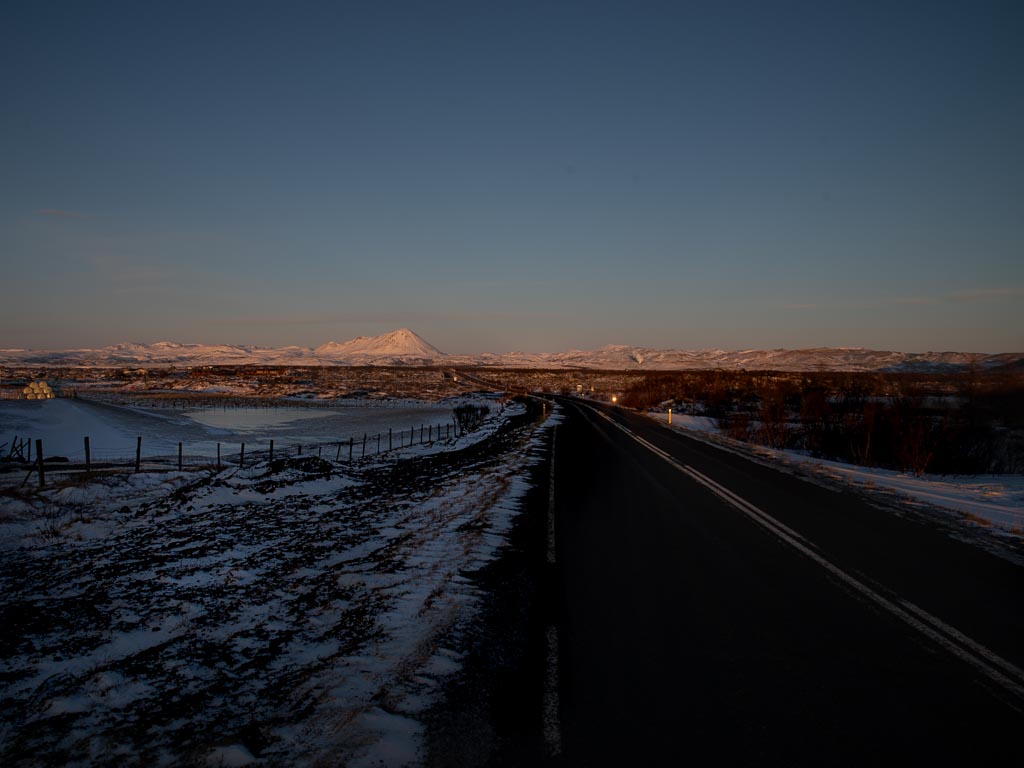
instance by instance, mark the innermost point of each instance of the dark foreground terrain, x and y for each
(654, 600)
(294, 612)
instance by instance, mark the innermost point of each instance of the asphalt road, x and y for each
(710, 609)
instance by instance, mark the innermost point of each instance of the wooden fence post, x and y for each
(138, 454)
(337, 456)
(364, 445)
(389, 438)
(218, 457)
(378, 442)
(241, 457)
(179, 457)
(271, 450)
(350, 450)
(39, 458)
(88, 456)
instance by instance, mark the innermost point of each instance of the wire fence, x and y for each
(23, 454)
(185, 400)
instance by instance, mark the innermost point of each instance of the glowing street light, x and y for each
(615, 399)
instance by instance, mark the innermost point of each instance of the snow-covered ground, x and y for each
(298, 613)
(989, 499)
(113, 430)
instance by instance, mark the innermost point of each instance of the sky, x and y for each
(503, 176)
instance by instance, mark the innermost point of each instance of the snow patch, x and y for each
(993, 499)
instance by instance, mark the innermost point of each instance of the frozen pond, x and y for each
(113, 430)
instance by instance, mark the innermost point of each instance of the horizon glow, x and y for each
(529, 177)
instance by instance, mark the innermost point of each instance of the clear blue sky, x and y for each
(514, 175)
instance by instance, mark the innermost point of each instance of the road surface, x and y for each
(710, 609)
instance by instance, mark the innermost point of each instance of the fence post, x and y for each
(29, 441)
(39, 458)
(389, 438)
(430, 434)
(364, 445)
(271, 450)
(88, 456)
(241, 457)
(179, 457)
(378, 442)
(319, 451)
(138, 453)
(350, 450)
(218, 457)
(298, 449)
(421, 434)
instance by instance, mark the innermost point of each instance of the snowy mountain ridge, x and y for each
(400, 343)
(406, 347)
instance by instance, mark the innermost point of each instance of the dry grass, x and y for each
(977, 520)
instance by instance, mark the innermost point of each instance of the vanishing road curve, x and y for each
(714, 609)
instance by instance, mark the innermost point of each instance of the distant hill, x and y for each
(401, 344)
(405, 347)
(620, 357)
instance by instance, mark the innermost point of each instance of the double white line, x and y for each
(1008, 676)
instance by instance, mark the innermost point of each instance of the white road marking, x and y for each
(993, 666)
(552, 721)
(551, 499)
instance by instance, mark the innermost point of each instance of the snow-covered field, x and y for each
(989, 499)
(299, 613)
(113, 430)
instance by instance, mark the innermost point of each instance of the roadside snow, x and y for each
(989, 499)
(691, 423)
(996, 499)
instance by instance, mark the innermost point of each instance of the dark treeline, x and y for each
(970, 422)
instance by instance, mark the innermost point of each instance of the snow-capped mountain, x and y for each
(402, 344)
(405, 347)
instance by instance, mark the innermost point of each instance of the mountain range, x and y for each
(405, 347)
